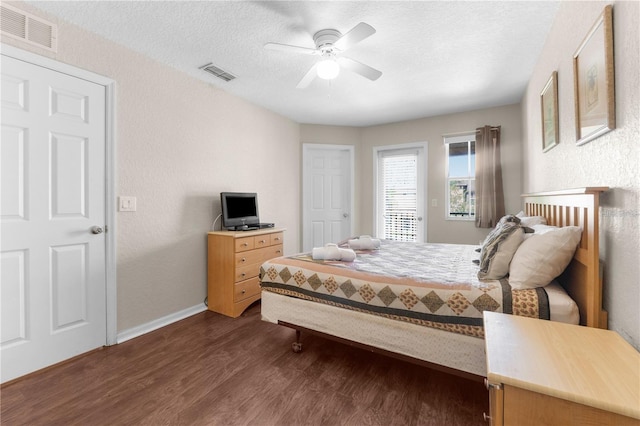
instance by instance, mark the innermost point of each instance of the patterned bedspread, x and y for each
(434, 285)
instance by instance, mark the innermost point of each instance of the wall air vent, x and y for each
(220, 73)
(24, 26)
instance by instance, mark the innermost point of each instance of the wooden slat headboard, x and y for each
(582, 280)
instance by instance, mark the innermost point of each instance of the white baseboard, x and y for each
(139, 330)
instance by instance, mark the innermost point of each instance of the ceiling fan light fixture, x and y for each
(328, 69)
(330, 44)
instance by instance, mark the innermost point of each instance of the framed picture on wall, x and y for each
(549, 105)
(594, 81)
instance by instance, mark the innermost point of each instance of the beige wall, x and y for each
(612, 160)
(179, 142)
(429, 130)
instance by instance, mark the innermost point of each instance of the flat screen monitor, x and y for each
(239, 210)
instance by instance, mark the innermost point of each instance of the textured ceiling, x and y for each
(437, 57)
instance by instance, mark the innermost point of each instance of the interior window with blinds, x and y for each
(398, 181)
(461, 173)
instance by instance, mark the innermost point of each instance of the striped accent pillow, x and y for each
(498, 249)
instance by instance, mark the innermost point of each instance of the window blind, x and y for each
(400, 198)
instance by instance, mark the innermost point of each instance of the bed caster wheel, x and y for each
(296, 347)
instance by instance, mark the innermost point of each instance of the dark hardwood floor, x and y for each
(213, 370)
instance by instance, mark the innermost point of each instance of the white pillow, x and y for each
(539, 229)
(531, 221)
(543, 229)
(498, 249)
(543, 256)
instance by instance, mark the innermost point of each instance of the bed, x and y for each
(389, 304)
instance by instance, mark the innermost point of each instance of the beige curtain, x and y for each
(489, 193)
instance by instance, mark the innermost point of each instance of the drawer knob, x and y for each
(244, 291)
(243, 274)
(244, 259)
(262, 241)
(278, 251)
(277, 238)
(244, 244)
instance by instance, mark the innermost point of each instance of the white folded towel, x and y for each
(347, 255)
(333, 252)
(364, 242)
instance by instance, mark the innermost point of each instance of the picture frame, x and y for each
(594, 81)
(549, 109)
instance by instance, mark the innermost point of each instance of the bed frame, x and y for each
(582, 279)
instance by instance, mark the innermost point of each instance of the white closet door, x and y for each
(327, 194)
(52, 214)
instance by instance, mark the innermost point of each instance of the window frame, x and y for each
(468, 137)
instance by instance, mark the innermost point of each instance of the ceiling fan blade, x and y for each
(355, 35)
(359, 68)
(308, 77)
(291, 49)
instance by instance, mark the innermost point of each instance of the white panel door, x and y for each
(327, 195)
(52, 211)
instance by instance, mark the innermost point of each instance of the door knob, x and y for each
(96, 230)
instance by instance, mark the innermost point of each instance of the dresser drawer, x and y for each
(249, 257)
(276, 238)
(244, 244)
(246, 272)
(257, 256)
(273, 251)
(246, 288)
(262, 241)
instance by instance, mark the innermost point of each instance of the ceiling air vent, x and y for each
(28, 28)
(220, 73)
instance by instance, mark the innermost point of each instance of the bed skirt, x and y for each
(451, 350)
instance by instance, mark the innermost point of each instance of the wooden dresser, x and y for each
(549, 373)
(233, 266)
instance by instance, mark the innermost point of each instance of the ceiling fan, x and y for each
(329, 45)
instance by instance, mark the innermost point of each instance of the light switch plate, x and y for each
(127, 204)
